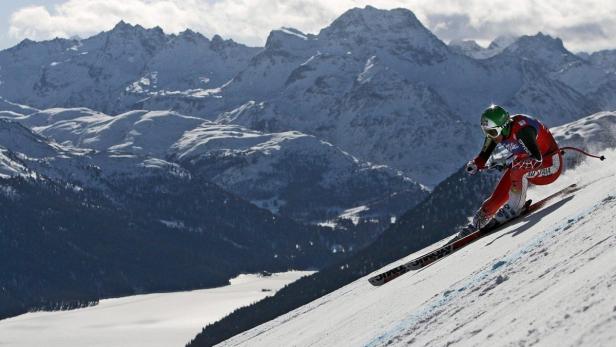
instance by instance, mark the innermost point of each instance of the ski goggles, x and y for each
(492, 132)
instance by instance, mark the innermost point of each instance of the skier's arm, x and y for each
(480, 160)
(486, 151)
(528, 136)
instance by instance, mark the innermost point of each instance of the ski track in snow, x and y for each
(547, 280)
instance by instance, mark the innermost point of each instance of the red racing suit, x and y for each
(537, 160)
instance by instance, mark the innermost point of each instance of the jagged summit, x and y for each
(287, 39)
(548, 53)
(123, 29)
(466, 47)
(472, 49)
(502, 41)
(192, 36)
(371, 19)
(369, 31)
(218, 43)
(472, 44)
(122, 25)
(539, 41)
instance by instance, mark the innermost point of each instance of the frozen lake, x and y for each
(166, 319)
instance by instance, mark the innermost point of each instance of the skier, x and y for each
(536, 159)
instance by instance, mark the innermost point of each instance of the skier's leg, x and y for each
(489, 207)
(500, 195)
(511, 190)
(546, 174)
(517, 197)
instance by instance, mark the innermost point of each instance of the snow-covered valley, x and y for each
(547, 280)
(165, 319)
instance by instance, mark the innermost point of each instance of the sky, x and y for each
(584, 25)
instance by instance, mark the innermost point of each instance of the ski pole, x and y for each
(562, 151)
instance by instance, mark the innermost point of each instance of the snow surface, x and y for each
(167, 319)
(547, 280)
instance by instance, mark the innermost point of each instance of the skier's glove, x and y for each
(528, 164)
(471, 167)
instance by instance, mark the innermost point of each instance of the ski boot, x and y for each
(507, 213)
(480, 220)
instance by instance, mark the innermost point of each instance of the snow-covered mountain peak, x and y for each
(219, 44)
(369, 31)
(374, 21)
(469, 48)
(127, 37)
(123, 27)
(503, 41)
(537, 45)
(473, 49)
(191, 36)
(24, 43)
(466, 44)
(287, 39)
(550, 56)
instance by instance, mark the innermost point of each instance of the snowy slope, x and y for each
(24, 152)
(277, 170)
(290, 173)
(595, 132)
(137, 132)
(547, 279)
(9, 106)
(10, 166)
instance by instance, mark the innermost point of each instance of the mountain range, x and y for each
(377, 84)
(246, 149)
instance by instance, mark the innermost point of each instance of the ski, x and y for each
(455, 245)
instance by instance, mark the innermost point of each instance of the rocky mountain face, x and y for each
(376, 84)
(113, 70)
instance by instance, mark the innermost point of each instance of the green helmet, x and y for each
(494, 121)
